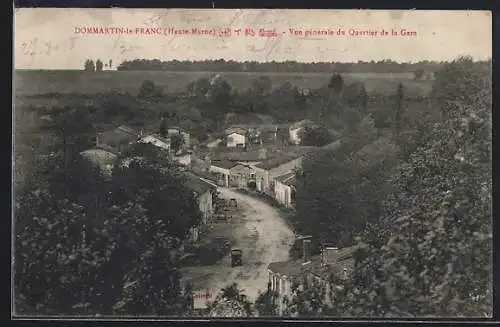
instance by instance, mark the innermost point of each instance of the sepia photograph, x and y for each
(209, 163)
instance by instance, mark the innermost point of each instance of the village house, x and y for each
(334, 267)
(222, 171)
(236, 137)
(117, 139)
(156, 140)
(329, 270)
(212, 143)
(184, 158)
(241, 176)
(296, 130)
(203, 192)
(259, 134)
(284, 189)
(278, 165)
(285, 274)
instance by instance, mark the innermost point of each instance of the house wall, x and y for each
(261, 179)
(240, 178)
(224, 173)
(295, 135)
(267, 177)
(234, 139)
(205, 205)
(282, 285)
(214, 144)
(183, 160)
(283, 194)
(286, 167)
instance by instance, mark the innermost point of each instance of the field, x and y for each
(39, 82)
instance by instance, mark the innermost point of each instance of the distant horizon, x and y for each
(423, 61)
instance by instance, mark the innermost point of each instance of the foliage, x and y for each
(160, 189)
(436, 261)
(55, 261)
(356, 96)
(149, 90)
(289, 66)
(262, 85)
(233, 300)
(307, 299)
(398, 109)
(266, 304)
(418, 73)
(89, 65)
(151, 279)
(336, 83)
(334, 202)
(163, 130)
(176, 142)
(81, 259)
(315, 136)
(98, 65)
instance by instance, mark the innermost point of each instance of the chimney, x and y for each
(306, 246)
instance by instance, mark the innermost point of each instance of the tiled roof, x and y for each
(236, 130)
(238, 169)
(302, 123)
(226, 164)
(334, 145)
(197, 184)
(238, 156)
(119, 134)
(287, 179)
(276, 161)
(294, 268)
(161, 138)
(336, 269)
(127, 129)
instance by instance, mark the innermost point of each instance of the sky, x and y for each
(52, 38)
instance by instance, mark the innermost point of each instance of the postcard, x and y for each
(207, 163)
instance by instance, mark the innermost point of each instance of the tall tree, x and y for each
(160, 189)
(56, 261)
(89, 65)
(315, 136)
(163, 130)
(176, 142)
(149, 90)
(398, 109)
(336, 83)
(75, 132)
(98, 65)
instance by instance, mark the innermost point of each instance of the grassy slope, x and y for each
(36, 82)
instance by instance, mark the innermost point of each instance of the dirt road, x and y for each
(264, 237)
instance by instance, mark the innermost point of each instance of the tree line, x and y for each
(222, 65)
(97, 66)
